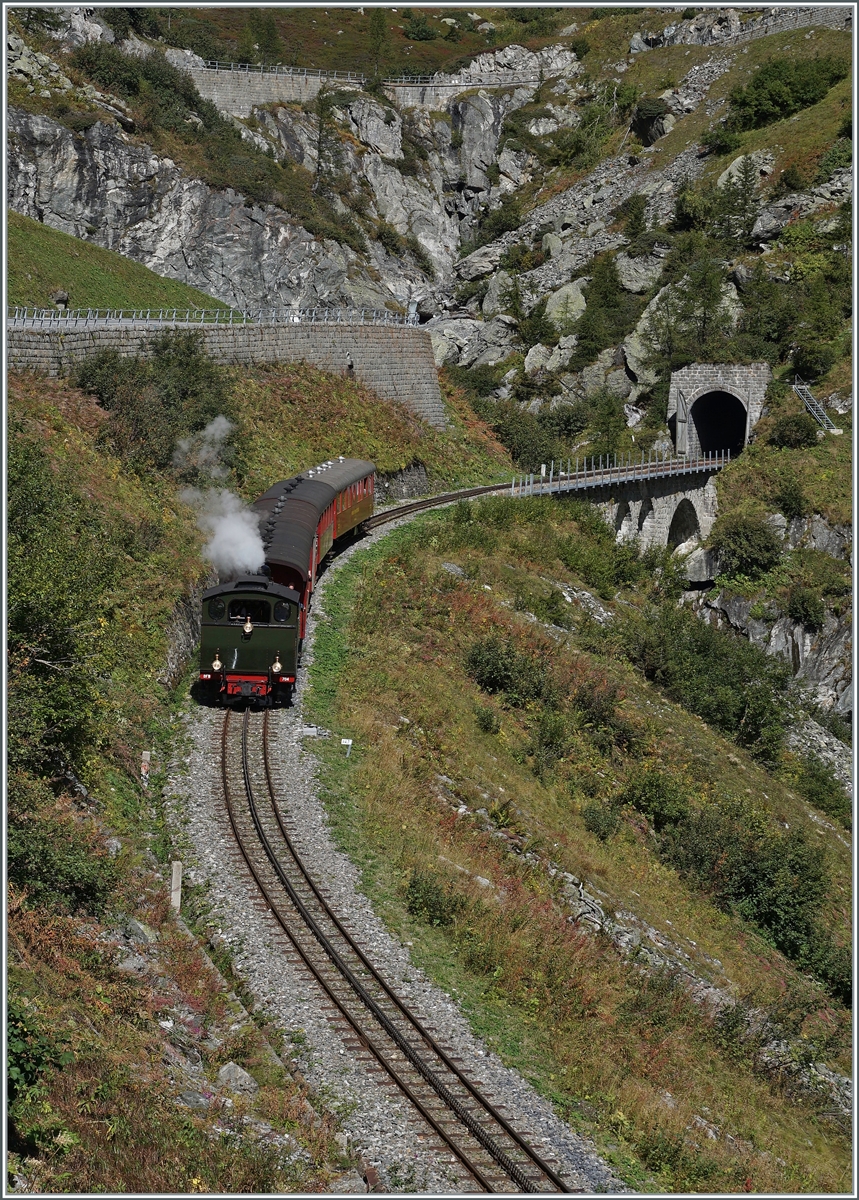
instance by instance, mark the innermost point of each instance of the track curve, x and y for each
(486, 1146)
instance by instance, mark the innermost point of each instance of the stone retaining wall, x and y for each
(396, 363)
(799, 18)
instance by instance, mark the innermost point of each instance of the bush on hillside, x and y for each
(813, 359)
(431, 900)
(791, 499)
(819, 787)
(496, 666)
(782, 87)
(805, 605)
(731, 684)
(152, 404)
(774, 878)
(794, 431)
(839, 155)
(602, 820)
(659, 797)
(745, 545)
(62, 560)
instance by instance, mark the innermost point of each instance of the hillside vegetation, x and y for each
(494, 751)
(101, 551)
(41, 261)
(538, 724)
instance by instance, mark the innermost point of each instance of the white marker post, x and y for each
(176, 885)
(145, 760)
(347, 742)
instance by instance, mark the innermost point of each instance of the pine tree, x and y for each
(377, 28)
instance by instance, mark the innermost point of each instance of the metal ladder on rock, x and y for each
(814, 406)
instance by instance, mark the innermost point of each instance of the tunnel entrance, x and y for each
(717, 421)
(684, 525)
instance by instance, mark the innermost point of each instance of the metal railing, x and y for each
(496, 79)
(605, 470)
(814, 406)
(43, 318)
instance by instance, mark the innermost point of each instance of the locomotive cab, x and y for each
(249, 641)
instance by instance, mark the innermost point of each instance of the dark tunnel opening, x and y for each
(720, 422)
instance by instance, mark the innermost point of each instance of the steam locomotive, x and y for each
(253, 626)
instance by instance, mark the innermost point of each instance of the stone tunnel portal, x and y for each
(717, 422)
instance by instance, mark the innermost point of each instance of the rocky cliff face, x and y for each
(821, 659)
(101, 186)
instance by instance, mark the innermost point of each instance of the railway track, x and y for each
(376, 1025)
(568, 483)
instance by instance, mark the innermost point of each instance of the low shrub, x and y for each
(782, 87)
(497, 666)
(839, 154)
(431, 900)
(775, 878)
(487, 719)
(734, 686)
(602, 820)
(794, 431)
(659, 797)
(805, 605)
(819, 787)
(745, 545)
(790, 497)
(813, 359)
(152, 404)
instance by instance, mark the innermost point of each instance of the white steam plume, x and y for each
(235, 545)
(202, 450)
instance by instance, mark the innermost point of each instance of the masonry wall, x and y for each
(748, 383)
(238, 92)
(799, 18)
(397, 363)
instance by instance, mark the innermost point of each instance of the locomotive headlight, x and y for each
(277, 665)
(248, 626)
(217, 665)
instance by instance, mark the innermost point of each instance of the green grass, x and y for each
(393, 648)
(40, 260)
(294, 415)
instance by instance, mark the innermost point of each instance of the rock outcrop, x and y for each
(100, 186)
(821, 659)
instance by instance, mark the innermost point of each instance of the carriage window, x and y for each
(217, 608)
(259, 611)
(282, 611)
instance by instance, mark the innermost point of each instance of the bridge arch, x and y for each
(685, 526)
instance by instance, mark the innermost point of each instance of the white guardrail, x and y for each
(42, 318)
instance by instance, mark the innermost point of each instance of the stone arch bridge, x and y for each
(659, 500)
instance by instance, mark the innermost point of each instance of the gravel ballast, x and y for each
(380, 1125)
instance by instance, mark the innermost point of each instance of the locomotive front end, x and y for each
(249, 642)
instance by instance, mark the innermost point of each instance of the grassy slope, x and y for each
(579, 1022)
(41, 259)
(113, 1033)
(310, 38)
(295, 415)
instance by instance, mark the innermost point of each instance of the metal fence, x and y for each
(497, 79)
(603, 471)
(50, 318)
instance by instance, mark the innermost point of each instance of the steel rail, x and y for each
(512, 1168)
(361, 1033)
(391, 995)
(605, 478)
